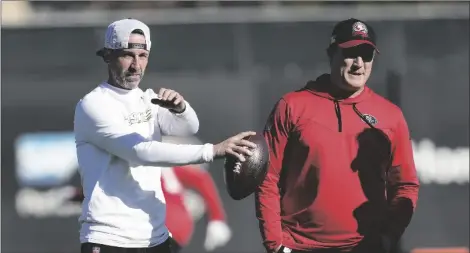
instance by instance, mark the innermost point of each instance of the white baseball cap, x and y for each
(118, 33)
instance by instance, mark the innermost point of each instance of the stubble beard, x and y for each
(120, 80)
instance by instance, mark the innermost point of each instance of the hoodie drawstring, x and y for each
(362, 116)
(338, 115)
(372, 126)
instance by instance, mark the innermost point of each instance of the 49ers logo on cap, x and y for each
(360, 29)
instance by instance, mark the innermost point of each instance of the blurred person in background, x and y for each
(184, 205)
(342, 176)
(180, 220)
(118, 131)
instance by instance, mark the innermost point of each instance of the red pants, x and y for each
(178, 219)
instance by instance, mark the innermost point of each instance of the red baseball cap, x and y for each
(353, 32)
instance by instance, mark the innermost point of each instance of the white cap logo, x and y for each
(360, 28)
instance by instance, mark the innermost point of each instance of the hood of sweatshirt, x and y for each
(322, 87)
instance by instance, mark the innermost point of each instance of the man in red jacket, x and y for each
(342, 176)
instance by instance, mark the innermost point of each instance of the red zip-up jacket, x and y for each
(341, 172)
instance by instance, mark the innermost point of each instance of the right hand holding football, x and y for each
(236, 146)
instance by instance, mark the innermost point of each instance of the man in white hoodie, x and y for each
(118, 130)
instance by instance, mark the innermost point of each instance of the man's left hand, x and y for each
(171, 100)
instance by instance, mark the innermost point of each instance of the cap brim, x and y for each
(100, 52)
(353, 43)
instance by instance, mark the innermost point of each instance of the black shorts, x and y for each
(169, 246)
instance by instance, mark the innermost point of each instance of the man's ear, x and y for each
(329, 52)
(107, 54)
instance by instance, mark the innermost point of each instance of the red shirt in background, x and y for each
(174, 183)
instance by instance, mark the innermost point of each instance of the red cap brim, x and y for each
(353, 43)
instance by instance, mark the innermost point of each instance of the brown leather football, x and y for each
(242, 179)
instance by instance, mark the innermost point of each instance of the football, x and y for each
(242, 179)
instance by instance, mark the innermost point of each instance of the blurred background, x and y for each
(232, 61)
